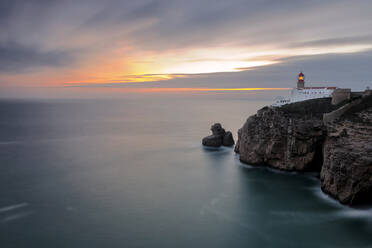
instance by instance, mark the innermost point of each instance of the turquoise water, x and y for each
(131, 172)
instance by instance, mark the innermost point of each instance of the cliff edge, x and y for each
(288, 138)
(296, 137)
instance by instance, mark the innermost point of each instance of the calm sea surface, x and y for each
(132, 172)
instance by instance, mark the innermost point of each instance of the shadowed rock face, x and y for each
(346, 173)
(219, 137)
(294, 137)
(228, 139)
(217, 129)
(287, 138)
(212, 140)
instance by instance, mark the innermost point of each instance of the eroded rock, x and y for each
(219, 137)
(228, 139)
(212, 140)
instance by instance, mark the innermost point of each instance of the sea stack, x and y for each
(219, 137)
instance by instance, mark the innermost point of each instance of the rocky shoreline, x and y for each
(314, 135)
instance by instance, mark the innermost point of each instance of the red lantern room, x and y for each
(301, 80)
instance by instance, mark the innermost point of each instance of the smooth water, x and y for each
(131, 172)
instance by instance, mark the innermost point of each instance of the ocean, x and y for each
(131, 172)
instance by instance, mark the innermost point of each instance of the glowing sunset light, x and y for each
(170, 90)
(209, 89)
(214, 66)
(199, 43)
(126, 79)
(144, 67)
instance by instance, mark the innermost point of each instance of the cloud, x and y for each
(124, 38)
(337, 41)
(18, 58)
(342, 70)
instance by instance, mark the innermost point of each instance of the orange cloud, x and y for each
(175, 90)
(131, 65)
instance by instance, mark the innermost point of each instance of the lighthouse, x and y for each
(302, 93)
(301, 81)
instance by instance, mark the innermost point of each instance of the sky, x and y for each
(55, 48)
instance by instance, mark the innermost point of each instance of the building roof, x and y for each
(319, 88)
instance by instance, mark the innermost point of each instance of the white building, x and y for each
(302, 93)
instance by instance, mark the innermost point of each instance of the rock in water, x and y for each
(219, 137)
(228, 139)
(212, 140)
(217, 129)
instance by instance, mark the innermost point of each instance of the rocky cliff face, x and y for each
(294, 137)
(346, 173)
(287, 138)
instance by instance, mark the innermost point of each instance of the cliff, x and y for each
(295, 137)
(346, 173)
(287, 138)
